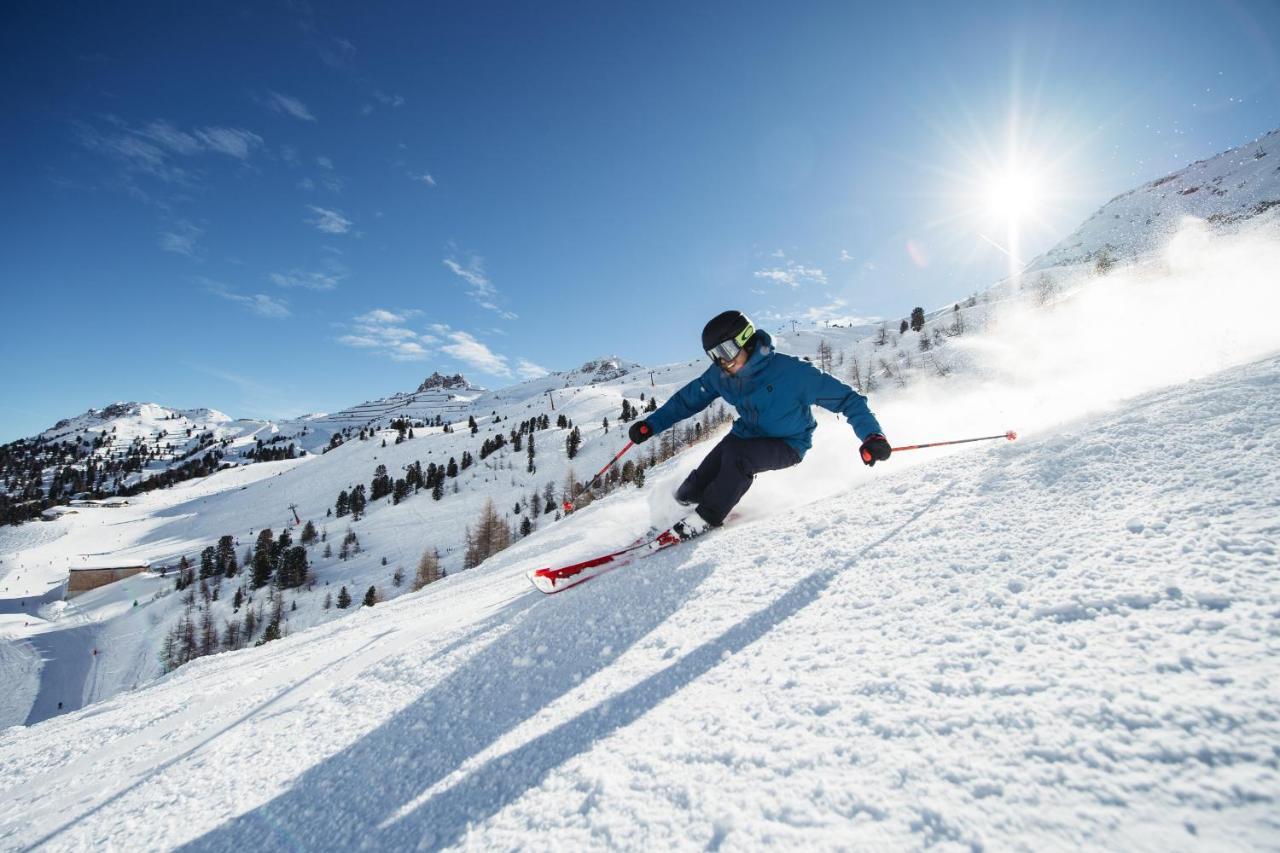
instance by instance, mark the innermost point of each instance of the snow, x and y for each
(1065, 641)
(1228, 188)
(980, 652)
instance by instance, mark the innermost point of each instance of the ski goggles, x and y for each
(727, 351)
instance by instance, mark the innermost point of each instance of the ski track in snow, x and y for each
(1069, 641)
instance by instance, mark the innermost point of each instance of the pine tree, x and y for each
(917, 319)
(344, 504)
(381, 484)
(437, 491)
(328, 600)
(293, 567)
(207, 562)
(344, 599)
(370, 598)
(261, 569)
(357, 501)
(225, 558)
(309, 534)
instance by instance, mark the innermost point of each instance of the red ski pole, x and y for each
(1011, 435)
(592, 481)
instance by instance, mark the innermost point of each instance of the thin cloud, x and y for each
(425, 178)
(479, 287)
(385, 333)
(153, 148)
(528, 370)
(230, 141)
(468, 350)
(308, 280)
(258, 303)
(329, 221)
(289, 105)
(386, 100)
(791, 274)
(182, 240)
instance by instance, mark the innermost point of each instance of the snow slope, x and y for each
(1226, 189)
(1066, 641)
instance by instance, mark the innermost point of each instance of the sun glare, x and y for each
(1012, 196)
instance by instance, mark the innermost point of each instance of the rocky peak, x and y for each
(448, 383)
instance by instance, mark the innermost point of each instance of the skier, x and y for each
(772, 392)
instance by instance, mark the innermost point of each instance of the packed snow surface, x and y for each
(1069, 640)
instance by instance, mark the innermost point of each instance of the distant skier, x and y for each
(772, 392)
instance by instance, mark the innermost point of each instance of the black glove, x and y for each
(875, 449)
(640, 432)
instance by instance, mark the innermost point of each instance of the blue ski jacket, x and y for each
(773, 393)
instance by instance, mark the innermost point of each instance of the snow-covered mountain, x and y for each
(1060, 642)
(1223, 190)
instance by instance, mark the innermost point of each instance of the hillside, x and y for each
(1225, 190)
(1054, 643)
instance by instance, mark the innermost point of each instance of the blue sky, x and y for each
(276, 208)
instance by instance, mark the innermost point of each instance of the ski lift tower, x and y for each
(294, 507)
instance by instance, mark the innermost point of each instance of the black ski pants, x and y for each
(720, 481)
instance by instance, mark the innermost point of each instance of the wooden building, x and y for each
(91, 576)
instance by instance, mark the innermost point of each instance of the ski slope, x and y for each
(1066, 641)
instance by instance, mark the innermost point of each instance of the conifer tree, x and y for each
(357, 501)
(207, 563)
(370, 598)
(344, 599)
(917, 319)
(225, 558)
(309, 534)
(293, 567)
(261, 569)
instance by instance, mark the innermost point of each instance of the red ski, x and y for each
(557, 580)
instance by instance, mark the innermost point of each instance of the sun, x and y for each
(1013, 195)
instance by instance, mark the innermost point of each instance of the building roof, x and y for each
(99, 565)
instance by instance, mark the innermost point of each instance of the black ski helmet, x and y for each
(729, 326)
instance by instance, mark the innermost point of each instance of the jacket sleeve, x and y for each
(688, 401)
(835, 396)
